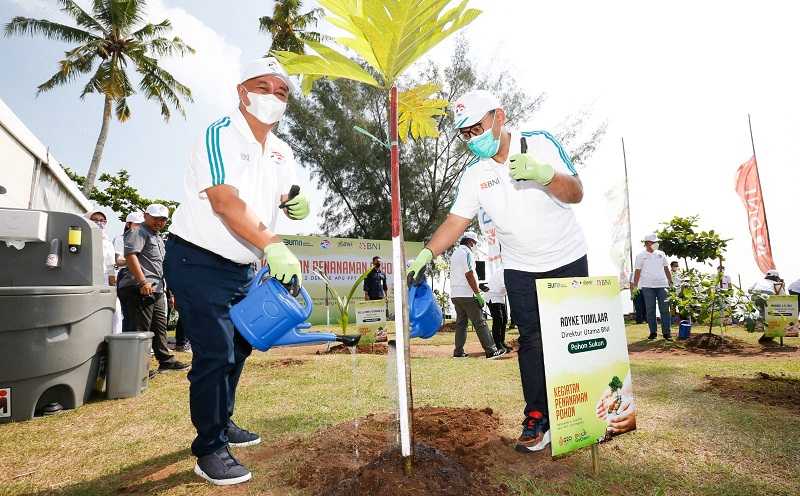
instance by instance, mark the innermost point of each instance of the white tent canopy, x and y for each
(31, 176)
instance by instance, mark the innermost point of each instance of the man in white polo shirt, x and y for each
(652, 277)
(527, 194)
(239, 176)
(467, 299)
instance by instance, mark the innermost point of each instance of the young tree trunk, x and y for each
(91, 176)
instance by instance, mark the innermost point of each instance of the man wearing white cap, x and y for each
(468, 300)
(132, 221)
(652, 277)
(142, 287)
(240, 177)
(525, 182)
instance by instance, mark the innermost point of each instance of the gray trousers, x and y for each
(467, 308)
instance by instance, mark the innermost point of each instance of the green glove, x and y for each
(297, 207)
(419, 263)
(479, 298)
(282, 263)
(524, 167)
(635, 292)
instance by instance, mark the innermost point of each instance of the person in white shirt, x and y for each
(496, 298)
(723, 279)
(652, 277)
(467, 299)
(771, 284)
(794, 289)
(240, 177)
(109, 263)
(675, 269)
(525, 182)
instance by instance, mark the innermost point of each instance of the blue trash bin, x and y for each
(685, 329)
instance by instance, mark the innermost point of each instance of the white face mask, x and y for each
(266, 108)
(655, 246)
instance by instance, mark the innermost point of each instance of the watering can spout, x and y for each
(348, 340)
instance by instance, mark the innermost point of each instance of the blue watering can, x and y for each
(270, 316)
(424, 315)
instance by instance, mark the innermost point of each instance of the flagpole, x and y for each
(758, 178)
(628, 203)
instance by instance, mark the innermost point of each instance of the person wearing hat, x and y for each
(142, 288)
(109, 263)
(771, 284)
(652, 277)
(132, 221)
(468, 300)
(527, 193)
(239, 178)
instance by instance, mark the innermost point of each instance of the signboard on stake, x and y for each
(589, 389)
(780, 313)
(370, 316)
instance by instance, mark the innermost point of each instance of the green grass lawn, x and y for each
(689, 440)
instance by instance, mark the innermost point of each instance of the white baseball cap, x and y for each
(157, 210)
(472, 106)
(136, 217)
(651, 238)
(772, 272)
(267, 66)
(470, 235)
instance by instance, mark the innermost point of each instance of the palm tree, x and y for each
(111, 38)
(289, 28)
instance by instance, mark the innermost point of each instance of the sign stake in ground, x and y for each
(389, 35)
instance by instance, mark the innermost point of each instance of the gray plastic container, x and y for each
(51, 339)
(128, 364)
(54, 317)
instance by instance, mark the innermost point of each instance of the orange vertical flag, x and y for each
(749, 189)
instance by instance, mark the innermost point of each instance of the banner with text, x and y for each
(343, 260)
(589, 389)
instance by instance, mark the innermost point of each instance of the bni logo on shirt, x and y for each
(490, 183)
(325, 244)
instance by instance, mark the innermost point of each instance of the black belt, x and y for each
(178, 240)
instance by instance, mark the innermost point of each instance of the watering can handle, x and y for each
(256, 282)
(309, 303)
(416, 279)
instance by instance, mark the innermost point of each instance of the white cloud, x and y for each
(213, 71)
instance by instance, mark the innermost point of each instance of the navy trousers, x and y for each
(205, 287)
(521, 288)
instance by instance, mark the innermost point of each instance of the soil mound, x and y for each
(765, 389)
(713, 342)
(433, 473)
(457, 451)
(363, 349)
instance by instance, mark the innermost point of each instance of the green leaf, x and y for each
(329, 63)
(417, 111)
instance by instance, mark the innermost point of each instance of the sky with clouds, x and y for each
(676, 80)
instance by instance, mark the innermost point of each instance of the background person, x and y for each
(468, 300)
(527, 196)
(375, 287)
(142, 288)
(109, 264)
(496, 299)
(132, 221)
(652, 277)
(237, 181)
(794, 289)
(723, 279)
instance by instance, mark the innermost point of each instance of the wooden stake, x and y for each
(595, 459)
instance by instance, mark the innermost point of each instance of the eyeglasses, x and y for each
(467, 133)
